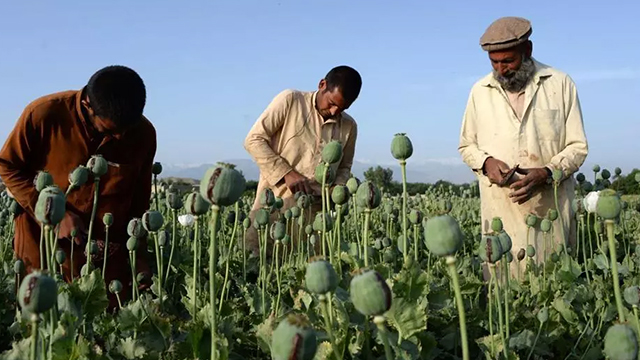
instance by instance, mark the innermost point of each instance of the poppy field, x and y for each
(371, 276)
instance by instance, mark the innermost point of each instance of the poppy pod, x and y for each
(621, 342)
(370, 293)
(98, 165)
(79, 176)
(174, 200)
(136, 229)
(294, 339)
(401, 147)
(340, 195)
(42, 180)
(353, 184)
(490, 249)
(152, 220)
(332, 152)
(196, 204)
(608, 205)
(156, 168)
(222, 185)
(368, 196)
(320, 277)
(38, 293)
(442, 235)
(51, 206)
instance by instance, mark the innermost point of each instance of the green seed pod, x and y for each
(353, 184)
(115, 286)
(508, 256)
(267, 198)
(295, 212)
(340, 195)
(18, 267)
(156, 168)
(61, 256)
(152, 220)
(98, 165)
(617, 171)
(42, 180)
(368, 196)
(545, 225)
(246, 223)
(92, 247)
(377, 244)
(107, 219)
(496, 224)
(303, 202)
(38, 293)
(388, 208)
(543, 315)
(505, 241)
(174, 201)
(79, 176)
(196, 204)
(278, 204)
(370, 293)
(332, 152)
(621, 342)
(531, 220)
(596, 168)
(587, 186)
(557, 175)
(559, 248)
(136, 228)
(163, 238)
(320, 277)
(578, 205)
(389, 255)
(531, 251)
(401, 147)
(318, 225)
(313, 239)
(442, 235)
(294, 338)
(14, 207)
(490, 249)
(415, 217)
(554, 257)
(51, 206)
(331, 174)
(608, 206)
(632, 295)
(580, 177)
(278, 230)
(605, 174)
(386, 242)
(288, 214)
(74, 233)
(222, 185)
(132, 243)
(286, 239)
(262, 217)
(445, 206)
(552, 214)
(521, 254)
(308, 230)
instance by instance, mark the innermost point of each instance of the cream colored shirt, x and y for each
(549, 132)
(290, 135)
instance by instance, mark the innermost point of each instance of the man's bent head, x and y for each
(115, 99)
(337, 91)
(507, 42)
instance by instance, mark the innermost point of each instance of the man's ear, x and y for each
(322, 84)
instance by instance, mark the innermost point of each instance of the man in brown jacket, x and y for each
(287, 139)
(57, 133)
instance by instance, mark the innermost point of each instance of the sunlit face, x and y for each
(102, 125)
(330, 104)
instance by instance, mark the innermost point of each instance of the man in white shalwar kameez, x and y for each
(528, 114)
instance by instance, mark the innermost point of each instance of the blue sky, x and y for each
(212, 66)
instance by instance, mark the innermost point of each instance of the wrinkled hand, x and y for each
(69, 222)
(526, 187)
(495, 170)
(296, 182)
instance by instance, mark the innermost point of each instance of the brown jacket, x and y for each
(53, 134)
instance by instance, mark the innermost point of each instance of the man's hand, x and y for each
(527, 186)
(495, 170)
(69, 222)
(296, 182)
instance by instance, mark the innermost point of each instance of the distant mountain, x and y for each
(426, 172)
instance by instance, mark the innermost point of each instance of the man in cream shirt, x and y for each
(528, 114)
(287, 140)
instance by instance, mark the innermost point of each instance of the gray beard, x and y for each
(517, 80)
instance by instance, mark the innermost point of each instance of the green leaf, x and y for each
(408, 317)
(131, 349)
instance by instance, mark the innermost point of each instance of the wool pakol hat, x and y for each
(506, 33)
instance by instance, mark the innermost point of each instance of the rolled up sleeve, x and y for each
(576, 148)
(258, 142)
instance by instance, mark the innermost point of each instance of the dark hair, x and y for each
(345, 78)
(118, 94)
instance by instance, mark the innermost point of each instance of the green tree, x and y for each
(627, 184)
(381, 177)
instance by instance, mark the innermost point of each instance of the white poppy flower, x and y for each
(186, 220)
(590, 201)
